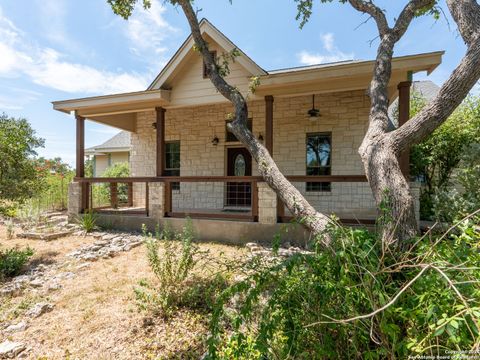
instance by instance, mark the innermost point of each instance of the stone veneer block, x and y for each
(74, 200)
(267, 204)
(156, 200)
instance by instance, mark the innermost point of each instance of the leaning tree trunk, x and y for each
(380, 149)
(295, 202)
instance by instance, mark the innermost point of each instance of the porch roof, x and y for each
(119, 110)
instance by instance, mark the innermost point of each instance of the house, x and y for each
(184, 162)
(113, 151)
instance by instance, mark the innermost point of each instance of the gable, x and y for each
(183, 74)
(189, 87)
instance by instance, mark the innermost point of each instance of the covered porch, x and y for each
(208, 184)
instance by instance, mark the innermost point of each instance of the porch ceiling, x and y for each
(115, 110)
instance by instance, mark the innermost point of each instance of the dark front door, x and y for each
(239, 163)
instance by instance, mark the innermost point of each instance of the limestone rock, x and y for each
(21, 326)
(10, 349)
(39, 309)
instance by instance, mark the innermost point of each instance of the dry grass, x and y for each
(95, 316)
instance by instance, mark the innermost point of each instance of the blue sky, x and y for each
(60, 49)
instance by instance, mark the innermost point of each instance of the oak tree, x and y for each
(381, 149)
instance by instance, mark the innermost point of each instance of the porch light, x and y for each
(215, 141)
(154, 125)
(313, 113)
(260, 137)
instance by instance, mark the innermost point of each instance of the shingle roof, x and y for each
(121, 141)
(311, 67)
(426, 89)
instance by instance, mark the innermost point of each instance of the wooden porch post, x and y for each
(160, 140)
(80, 164)
(80, 160)
(403, 116)
(269, 123)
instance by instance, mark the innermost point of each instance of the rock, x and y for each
(54, 286)
(83, 266)
(12, 289)
(108, 237)
(10, 349)
(39, 309)
(37, 282)
(21, 326)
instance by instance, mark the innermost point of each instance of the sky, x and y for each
(63, 49)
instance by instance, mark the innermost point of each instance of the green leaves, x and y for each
(124, 8)
(19, 178)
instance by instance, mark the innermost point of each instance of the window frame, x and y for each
(175, 185)
(323, 187)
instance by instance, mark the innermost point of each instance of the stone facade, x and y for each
(156, 200)
(267, 204)
(343, 114)
(74, 200)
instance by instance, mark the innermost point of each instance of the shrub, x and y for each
(88, 221)
(12, 261)
(462, 196)
(172, 259)
(357, 302)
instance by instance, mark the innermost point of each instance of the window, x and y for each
(205, 70)
(230, 136)
(172, 161)
(319, 151)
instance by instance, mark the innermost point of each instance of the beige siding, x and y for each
(101, 161)
(190, 88)
(344, 114)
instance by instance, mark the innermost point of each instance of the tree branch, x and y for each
(374, 11)
(407, 14)
(315, 221)
(455, 89)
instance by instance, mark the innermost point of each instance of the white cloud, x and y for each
(50, 68)
(147, 30)
(332, 52)
(13, 98)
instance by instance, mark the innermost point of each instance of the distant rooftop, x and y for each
(119, 142)
(426, 89)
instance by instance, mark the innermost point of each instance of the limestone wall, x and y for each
(344, 114)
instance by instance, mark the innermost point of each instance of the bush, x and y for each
(357, 302)
(12, 261)
(101, 192)
(173, 258)
(462, 196)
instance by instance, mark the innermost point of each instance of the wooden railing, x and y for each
(252, 215)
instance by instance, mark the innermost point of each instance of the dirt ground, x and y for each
(95, 315)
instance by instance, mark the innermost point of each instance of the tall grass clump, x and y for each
(88, 221)
(357, 301)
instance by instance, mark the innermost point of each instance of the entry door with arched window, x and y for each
(239, 163)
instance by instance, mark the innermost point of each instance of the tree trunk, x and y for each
(292, 198)
(391, 192)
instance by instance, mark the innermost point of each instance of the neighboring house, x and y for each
(113, 151)
(184, 162)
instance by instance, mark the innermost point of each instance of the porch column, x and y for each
(80, 164)
(160, 140)
(269, 123)
(403, 116)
